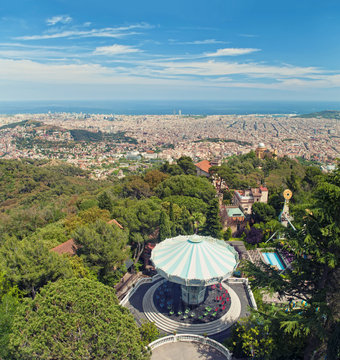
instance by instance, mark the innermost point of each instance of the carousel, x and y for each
(196, 263)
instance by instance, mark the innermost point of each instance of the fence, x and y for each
(140, 282)
(192, 338)
(245, 282)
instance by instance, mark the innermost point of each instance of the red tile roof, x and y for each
(204, 165)
(114, 221)
(68, 247)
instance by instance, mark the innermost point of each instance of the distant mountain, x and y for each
(327, 114)
(21, 123)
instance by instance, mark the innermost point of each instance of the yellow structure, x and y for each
(260, 151)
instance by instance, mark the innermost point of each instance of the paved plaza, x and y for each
(135, 305)
(186, 351)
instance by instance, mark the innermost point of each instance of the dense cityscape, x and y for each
(164, 137)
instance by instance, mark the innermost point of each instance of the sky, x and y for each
(179, 49)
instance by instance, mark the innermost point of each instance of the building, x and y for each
(202, 168)
(260, 151)
(245, 199)
(234, 218)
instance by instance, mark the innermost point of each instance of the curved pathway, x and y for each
(171, 326)
(185, 351)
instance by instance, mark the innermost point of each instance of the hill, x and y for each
(84, 135)
(327, 114)
(34, 193)
(21, 123)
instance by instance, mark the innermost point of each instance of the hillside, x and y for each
(327, 114)
(36, 193)
(22, 123)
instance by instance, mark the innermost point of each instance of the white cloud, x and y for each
(232, 52)
(248, 35)
(198, 42)
(63, 19)
(189, 74)
(76, 34)
(104, 32)
(115, 50)
(224, 68)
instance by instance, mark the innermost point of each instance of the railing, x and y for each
(192, 338)
(245, 282)
(140, 282)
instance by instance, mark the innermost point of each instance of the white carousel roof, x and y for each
(194, 260)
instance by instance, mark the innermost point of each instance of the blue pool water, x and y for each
(273, 259)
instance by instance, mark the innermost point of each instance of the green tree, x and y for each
(227, 234)
(260, 336)
(252, 340)
(149, 332)
(213, 225)
(224, 172)
(192, 204)
(86, 217)
(30, 265)
(51, 235)
(137, 188)
(154, 178)
(198, 220)
(104, 201)
(186, 185)
(9, 301)
(141, 217)
(172, 170)
(75, 319)
(103, 249)
(87, 204)
(262, 212)
(187, 165)
(164, 227)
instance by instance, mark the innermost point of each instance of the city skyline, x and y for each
(224, 50)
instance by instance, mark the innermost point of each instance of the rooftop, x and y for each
(204, 165)
(194, 260)
(232, 212)
(68, 247)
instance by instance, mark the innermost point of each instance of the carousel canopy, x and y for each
(194, 260)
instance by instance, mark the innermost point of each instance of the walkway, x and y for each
(241, 249)
(186, 351)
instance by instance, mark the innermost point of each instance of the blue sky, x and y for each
(188, 50)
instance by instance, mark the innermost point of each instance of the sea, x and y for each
(163, 107)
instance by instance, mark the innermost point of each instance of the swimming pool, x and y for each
(273, 259)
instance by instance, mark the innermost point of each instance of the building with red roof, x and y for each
(245, 199)
(68, 247)
(203, 167)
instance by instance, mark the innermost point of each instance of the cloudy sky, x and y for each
(178, 49)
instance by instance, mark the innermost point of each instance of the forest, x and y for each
(43, 204)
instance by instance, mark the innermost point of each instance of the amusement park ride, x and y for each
(285, 218)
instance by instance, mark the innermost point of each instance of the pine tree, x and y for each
(104, 201)
(164, 227)
(213, 225)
